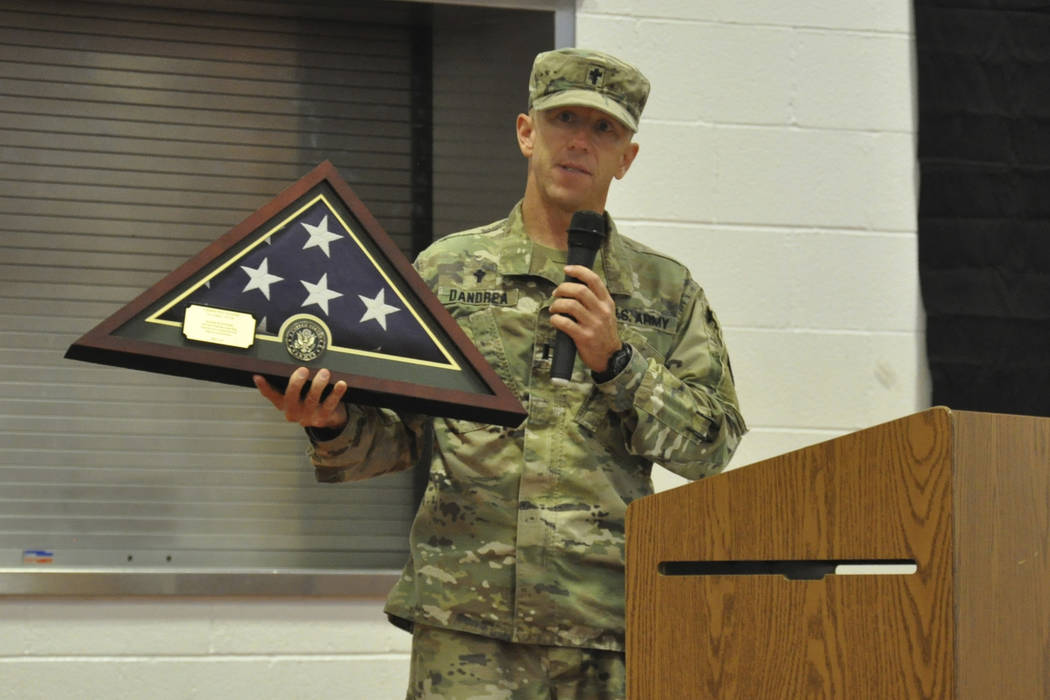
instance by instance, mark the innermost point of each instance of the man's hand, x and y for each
(308, 411)
(589, 316)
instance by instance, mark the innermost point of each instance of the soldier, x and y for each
(515, 585)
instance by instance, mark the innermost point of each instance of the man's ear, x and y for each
(526, 132)
(626, 159)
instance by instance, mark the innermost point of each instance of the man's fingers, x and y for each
(317, 386)
(592, 295)
(584, 274)
(573, 308)
(333, 412)
(334, 398)
(572, 290)
(266, 389)
(303, 404)
(589, 278)
(296, 382)
(293, 394)
(577, 326)
(586, 313)
(574, 300)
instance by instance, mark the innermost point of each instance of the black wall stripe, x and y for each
(984, 204)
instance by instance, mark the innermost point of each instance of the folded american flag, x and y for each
(313, 263)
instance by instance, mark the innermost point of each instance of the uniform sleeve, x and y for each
(681, 411)
(375, 441)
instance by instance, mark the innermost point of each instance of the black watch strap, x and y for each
(618, 361)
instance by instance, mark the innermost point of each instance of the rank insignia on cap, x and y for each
(596, 76)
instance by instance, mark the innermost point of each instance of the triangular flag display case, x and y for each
(310, 279)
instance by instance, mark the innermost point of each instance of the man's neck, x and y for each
(545, 225)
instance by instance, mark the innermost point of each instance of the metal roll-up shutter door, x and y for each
(131, 136)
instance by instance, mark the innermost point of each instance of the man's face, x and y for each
(574, 153)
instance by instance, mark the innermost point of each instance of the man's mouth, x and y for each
(572, 168)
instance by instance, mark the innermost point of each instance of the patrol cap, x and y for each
(581, 77)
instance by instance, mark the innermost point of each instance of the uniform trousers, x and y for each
(451, 665)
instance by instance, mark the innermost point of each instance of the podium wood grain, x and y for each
(963, 495)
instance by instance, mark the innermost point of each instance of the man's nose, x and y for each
(580, 138)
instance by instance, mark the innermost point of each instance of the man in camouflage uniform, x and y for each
(515, 587)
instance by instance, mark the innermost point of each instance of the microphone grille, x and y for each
(586, 227)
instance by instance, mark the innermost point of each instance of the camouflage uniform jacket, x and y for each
(520, 535)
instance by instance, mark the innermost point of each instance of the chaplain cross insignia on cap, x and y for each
(595, 76)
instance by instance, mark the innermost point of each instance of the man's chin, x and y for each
(571, 202)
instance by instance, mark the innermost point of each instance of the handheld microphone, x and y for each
(586, 233)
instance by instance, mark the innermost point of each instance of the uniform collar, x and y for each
(518, 256)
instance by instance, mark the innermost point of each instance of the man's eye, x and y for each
(565, 117)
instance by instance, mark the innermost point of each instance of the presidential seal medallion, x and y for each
(305, 337)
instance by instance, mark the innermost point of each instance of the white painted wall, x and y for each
(777, 162)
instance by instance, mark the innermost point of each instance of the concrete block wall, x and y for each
(176, 649)
(778, 163)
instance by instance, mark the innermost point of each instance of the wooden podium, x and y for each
(730, 584)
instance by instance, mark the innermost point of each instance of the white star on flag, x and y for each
(319, 293)
(260, 278)
(377, 309)
(320, 236)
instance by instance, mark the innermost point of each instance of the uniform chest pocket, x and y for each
(484, 329)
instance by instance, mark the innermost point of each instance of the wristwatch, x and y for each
(618, 361)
